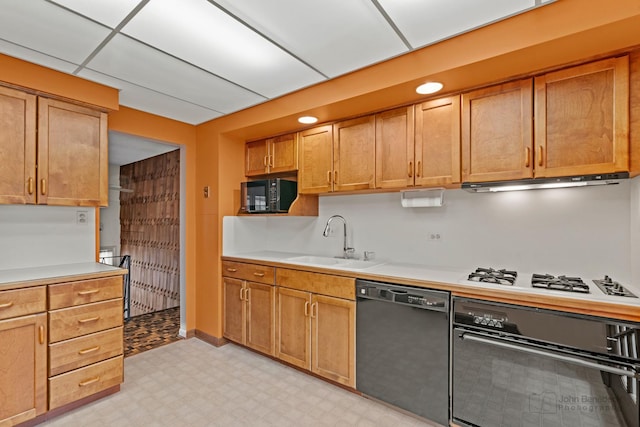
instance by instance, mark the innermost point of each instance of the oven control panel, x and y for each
(488, 320)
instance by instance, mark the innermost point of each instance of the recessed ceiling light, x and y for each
(307, 120)
(429, 87)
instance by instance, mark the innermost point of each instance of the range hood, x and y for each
(542, 183)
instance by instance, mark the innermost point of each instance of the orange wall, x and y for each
(48, 81)
(563, 32)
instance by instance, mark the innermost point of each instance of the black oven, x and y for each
(521, 366)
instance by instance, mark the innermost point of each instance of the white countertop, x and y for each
(15, 276)
(452, 276)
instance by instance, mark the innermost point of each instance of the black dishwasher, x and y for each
(402, 347)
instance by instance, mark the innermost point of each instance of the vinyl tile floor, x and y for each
(192, 383)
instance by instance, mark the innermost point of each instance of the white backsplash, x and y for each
(33, 236)
(578, 231)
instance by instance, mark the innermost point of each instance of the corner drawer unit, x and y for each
(251, 272)
(85, 338)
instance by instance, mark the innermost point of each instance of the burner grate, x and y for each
(490, 275)
(560, 283)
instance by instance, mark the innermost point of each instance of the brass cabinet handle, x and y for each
(264, 161)
(306, 309)
(258, 274)
(6, 304)
(41, 334)
(89, 350)
(271, 161)
(247, 295)
(329, 177)
(335, 177)
(232, 270)
(89, 381)
(314, 309)
(410, 172)
(527, 157)
(91, 319)
(43, 186)
(30, 185)
(419, 169)
(241, 294)
(540, 160)
(92, 291)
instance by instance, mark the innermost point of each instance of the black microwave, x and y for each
(268, 195)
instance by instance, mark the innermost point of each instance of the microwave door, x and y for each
(256, 197)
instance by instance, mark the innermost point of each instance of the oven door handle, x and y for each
(556, 356)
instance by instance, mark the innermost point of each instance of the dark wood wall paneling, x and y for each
(150, 231)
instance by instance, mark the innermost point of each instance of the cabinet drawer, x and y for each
(20, 302)
(83, 382)
(78, 352)
(84, 319)
(250, 272)
(325, 284)
(84, 292)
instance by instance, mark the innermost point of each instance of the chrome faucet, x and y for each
(346, 251)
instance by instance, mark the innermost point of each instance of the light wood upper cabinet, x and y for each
(582, 119)
(17, 146)
(273, 155)
(354, 154)
(437, 142)
(316, 160)
(72, 155)
(395, 163)
(497, 133)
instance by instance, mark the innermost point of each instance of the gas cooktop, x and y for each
(563, 283)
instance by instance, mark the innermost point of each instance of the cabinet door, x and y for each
(260, 319)
(497, 133)
(256, 158)
(294, 327)
(333, 339)
(437, 142)
(395, 166)
(17, 147)
(72, 155)
(354, 154)
(283, 153)
(23, 387)
(234, 309)
(582, 119)
(316, 160)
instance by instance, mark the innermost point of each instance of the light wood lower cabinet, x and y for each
(249, 306)
(317, 332)
(85, 339)
(23, 355)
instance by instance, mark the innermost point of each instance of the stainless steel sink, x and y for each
(326, 261)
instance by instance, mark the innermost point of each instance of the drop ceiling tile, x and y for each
(335, 36)
(46, 28)
(202, 34)
(107, 12)
(153, 102)
(134, 62)
(36, 57)
(426, 22)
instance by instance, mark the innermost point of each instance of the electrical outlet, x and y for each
(82, 217)
(434, 236)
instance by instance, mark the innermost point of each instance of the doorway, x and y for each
(145, 222)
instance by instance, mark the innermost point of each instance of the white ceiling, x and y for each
(195, 60)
